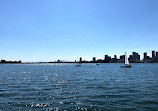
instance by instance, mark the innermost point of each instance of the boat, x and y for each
(97, 64)
(127, 65)
(78, 65)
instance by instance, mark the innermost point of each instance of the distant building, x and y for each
(135, 57)
(107, 59)
(94, 59)
(145, 56)
(115, 56)
(114, 59)
(58, 61)
(148, 58)
(138, 56)
(122, 58)
(153, 56)
(80, 59)
(4, 61)
(100, 61)
(156, 56)
(130, 58)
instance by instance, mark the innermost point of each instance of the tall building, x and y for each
(145, 56)
(130, 58)
(153, 54)
(115, 56)
(94, 59)
(106, 57)
(122, 58)
(80, 59)
(134, 56)
(156, 56)
(138, 56)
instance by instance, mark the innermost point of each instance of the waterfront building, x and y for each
(134, 56)
(4, 61)
(138, 56)
(107, 59)
(130, 58)
(156, 56)
(80, 59)
(58, 61)
(153, 54)
(122, 58)
(115, 56)
(100, 61)
(145, 56)
(94, 59)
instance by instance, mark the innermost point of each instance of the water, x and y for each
(64, 87)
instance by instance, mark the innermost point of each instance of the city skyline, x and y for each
(51, 30)
(134, 57)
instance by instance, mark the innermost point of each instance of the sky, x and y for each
(48, 30)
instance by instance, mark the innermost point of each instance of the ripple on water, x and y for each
(86, 88)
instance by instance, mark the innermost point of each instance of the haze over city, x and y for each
(50, 30)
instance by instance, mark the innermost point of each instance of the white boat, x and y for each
(127, 65)
(78, 64)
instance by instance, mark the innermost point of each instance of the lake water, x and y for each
(64, 87)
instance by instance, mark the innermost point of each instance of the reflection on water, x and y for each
(89, 87)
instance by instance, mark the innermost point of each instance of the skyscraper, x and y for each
(122, 58)
(115, 56)
(130, 58)
(145, 55)
(80, 59)
(134, 56)
(138, 56)
(156, 56)
(106, 57)
(94, 59)
(153, 54)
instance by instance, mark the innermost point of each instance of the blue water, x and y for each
(64, 87)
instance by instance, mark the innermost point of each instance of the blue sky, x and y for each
(47, 30)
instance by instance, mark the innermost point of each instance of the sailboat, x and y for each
(78, 64)
(127, 65)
